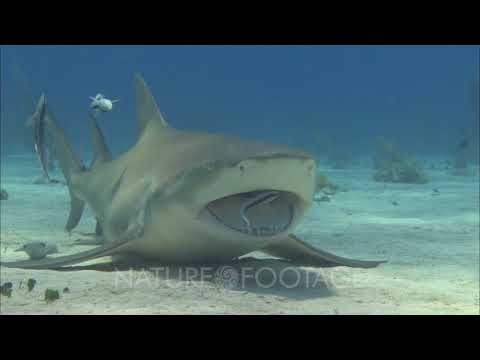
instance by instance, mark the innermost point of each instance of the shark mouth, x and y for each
(256, 213)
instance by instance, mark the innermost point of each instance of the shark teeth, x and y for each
(260, 231)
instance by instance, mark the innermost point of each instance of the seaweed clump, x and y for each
(51, 295)
(3, 195)
(392, 166)
(6, 289)
(31, 284)
(460, 163)
(323, 184)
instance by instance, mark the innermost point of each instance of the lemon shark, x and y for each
(181, 197)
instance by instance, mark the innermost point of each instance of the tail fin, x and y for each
(70, 164)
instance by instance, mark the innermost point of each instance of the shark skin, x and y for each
(179, 197)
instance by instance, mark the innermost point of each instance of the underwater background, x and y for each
(319, 98)
(395, 130)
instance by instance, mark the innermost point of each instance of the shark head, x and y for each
(244, 196)
(261, 198)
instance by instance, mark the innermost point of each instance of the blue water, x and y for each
(422, 97)
(332, 101)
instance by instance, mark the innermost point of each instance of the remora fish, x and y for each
(42, 149)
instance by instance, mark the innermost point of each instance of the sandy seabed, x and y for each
(431, 242)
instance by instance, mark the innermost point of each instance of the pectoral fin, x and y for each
(301, 253)
(129, 210)
(98, 229)
(58, 262)
(77, 206)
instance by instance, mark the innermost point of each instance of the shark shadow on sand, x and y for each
(265, 276)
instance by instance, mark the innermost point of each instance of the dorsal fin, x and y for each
(101, 153)
(147, 108)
